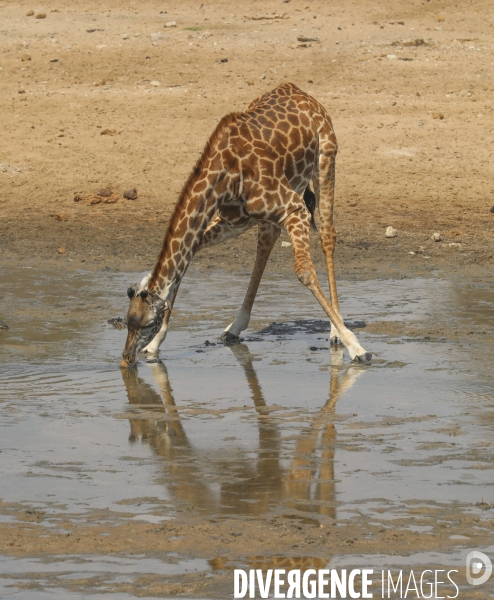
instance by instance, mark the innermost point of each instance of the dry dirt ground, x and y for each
(104, 94)
(99, 94)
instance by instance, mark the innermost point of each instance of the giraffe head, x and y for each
(144, 320)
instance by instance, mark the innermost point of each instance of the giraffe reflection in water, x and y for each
(246, 486)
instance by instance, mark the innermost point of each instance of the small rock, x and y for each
(303, 38)
(130, 194)
(21, 91)
(492, 209)
(157, 37)
(155, 83)
(95, 200)
(30, 13)
(391, 232)
(412, 253)
(223, 60)
(3, 325)
(105, 192)
(62, 250)
(437, 237)
(25, 57)
(60, 217)
(117, 322)
(78, 198)
(438, 115)
(464, 94)
(41, 16)
(285, 244)
(108, 132)
(454, 245)
(171, 24)
(125, 36)
(391, 56)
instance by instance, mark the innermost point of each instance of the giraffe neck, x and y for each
(208, 183)
(192, 215)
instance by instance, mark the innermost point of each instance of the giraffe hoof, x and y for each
(229, 339)
(363, 358)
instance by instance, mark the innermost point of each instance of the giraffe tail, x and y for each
(310, 202)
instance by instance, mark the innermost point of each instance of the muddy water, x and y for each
(278, 426)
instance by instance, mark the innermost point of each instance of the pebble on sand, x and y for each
(171, 24)
(41, 16)
(285, 244)
(157, 37)
(30, 13)
(492, 209)
(130, 194)
(62, 250)
(437, 237)
(438, 115)
(391, 232)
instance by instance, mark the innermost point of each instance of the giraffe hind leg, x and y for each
(297, 225)
(324, 185)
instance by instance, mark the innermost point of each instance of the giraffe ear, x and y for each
(130, 292)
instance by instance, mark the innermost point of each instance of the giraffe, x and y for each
(255, 169)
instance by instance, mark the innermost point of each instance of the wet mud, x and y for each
(278, 451)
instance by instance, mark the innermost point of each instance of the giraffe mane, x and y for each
(226, 121)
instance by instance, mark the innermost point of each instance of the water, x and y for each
(277, 425)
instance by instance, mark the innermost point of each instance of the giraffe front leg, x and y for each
(154, 346)
(217, 232)
(267, 235)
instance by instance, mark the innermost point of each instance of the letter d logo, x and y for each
(476, 561)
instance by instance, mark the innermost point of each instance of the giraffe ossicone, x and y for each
(255, 169)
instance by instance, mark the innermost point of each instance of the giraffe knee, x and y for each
(305, 277)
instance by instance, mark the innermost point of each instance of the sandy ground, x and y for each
(102, 94)
(97, 94)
